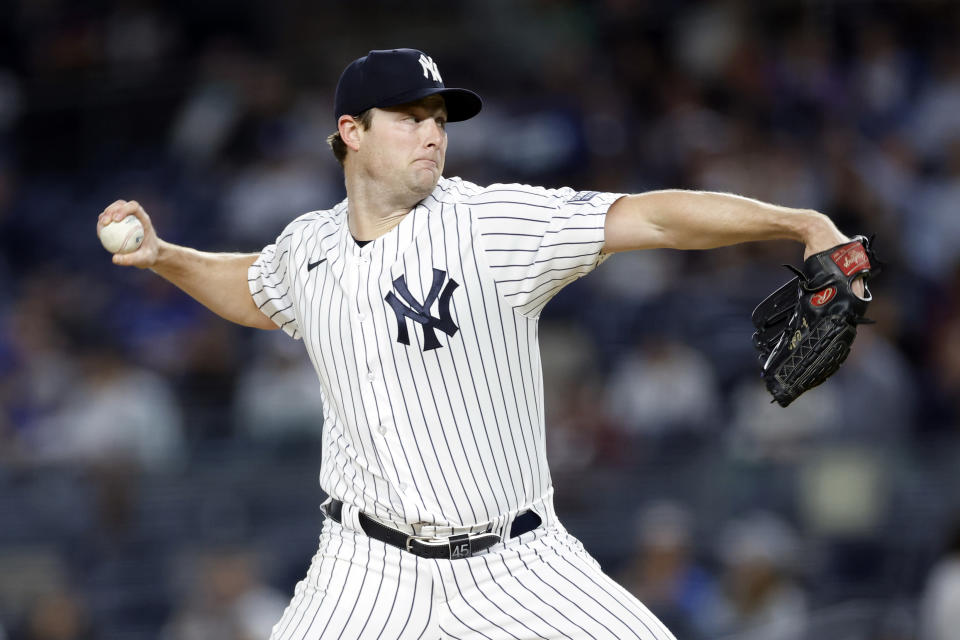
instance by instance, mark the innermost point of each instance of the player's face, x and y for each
(406, 146)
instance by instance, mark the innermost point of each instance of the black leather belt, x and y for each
(448, 548)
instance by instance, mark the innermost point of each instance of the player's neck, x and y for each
(372, 211)
(364, 226)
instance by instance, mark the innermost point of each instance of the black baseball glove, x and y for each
(806, 327)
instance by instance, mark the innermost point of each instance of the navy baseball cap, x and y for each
(386, 78)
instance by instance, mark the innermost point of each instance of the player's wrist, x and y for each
(817, 231)
(166, 256)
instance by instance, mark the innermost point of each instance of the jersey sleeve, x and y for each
(269, 281)
(537, 240)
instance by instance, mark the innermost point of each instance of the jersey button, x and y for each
(382, 430)
(361, 316)
(402, 486)
(371, 376)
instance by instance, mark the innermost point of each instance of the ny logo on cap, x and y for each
(420, 312)
(429, 66)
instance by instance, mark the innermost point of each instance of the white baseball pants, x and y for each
(542, 585)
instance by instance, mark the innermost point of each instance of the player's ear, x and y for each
(350, 131)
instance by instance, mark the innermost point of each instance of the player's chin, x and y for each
(425, 180)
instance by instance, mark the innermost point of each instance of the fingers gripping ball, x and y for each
(123, 236)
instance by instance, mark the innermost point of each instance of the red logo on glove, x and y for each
(821, 298)
(851, 258)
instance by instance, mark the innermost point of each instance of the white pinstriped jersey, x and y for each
(425, 343)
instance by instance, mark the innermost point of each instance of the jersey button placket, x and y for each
(362, 339)
(366, 339)
(366, 329)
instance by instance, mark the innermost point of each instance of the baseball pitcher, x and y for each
(418, 299)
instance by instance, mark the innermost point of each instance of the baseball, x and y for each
(124, 236)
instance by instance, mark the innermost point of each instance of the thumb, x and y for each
(126, 259)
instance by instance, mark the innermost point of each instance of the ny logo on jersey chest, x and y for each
(420, 312)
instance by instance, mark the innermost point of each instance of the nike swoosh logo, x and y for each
(313, 265)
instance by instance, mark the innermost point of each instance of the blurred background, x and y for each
(158, 466)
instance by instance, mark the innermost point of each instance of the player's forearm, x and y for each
(216, 280)
(704, 220)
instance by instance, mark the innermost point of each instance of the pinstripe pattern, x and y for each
(425, 344)
(389, 446)
(541, 586)
(359, 588)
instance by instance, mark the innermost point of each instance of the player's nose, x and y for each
(432, 132)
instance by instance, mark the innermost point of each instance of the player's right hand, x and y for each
(146, 255)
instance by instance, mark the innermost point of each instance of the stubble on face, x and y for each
(406, 147)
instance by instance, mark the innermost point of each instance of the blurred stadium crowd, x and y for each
(158, 467)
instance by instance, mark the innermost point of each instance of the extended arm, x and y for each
(216, 280)
(703, 220)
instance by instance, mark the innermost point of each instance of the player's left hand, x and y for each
(805, 329)
(823, 236)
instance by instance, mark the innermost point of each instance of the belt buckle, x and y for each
(458, 546)
(426, 540)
